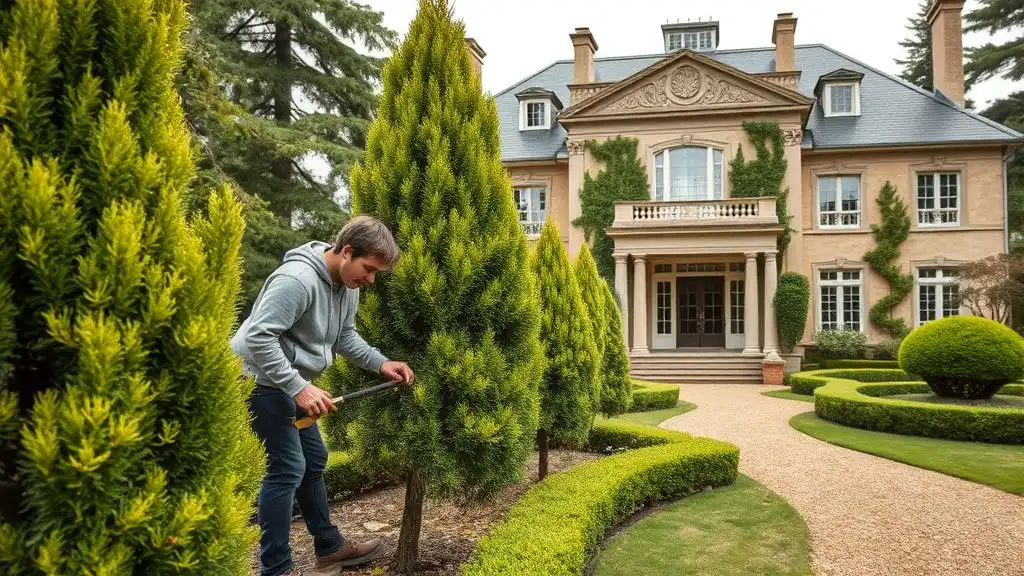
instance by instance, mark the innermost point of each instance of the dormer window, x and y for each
(697, 36)
(537, 108)
(839, 93)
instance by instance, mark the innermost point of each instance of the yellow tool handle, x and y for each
(310, 420)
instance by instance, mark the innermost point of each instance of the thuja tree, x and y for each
(127, 445)
(593, 299)
(566, 408)
(889, 235)
(622, 178)
(460, 305)
(763, 176)
(617, 387)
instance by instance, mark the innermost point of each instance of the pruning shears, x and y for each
(309, 420)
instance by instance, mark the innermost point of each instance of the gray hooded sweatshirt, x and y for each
(299, 321)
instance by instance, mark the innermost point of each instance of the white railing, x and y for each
(736, 211)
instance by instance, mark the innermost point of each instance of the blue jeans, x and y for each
(295, 471)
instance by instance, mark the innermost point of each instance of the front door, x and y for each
(701, 304)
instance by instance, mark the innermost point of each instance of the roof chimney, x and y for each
(584, 46)
(783, 33)
(476, 56)
(947, 48)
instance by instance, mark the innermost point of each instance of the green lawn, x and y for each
(788, 395)
(1000, 466)
(655, 417)
(739, 530)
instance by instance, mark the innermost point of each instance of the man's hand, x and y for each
(314, 401)
(397, 371)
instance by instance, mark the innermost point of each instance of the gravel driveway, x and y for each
(867, 515)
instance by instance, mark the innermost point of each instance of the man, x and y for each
(304, 314)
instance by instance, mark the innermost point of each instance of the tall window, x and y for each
(839, 299)
(664, 307)
(531, 201)
(736, 296)
(839, 201)
(688, 173)
(938, 294)
(938, 199)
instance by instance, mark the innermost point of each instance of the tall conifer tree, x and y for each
(616, 384)
(121, 407)
(460, 306)
(585, 270)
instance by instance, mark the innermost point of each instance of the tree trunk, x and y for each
(281, 168)
(542, 447)
(412, 520)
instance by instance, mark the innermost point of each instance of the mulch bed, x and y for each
(449, 533)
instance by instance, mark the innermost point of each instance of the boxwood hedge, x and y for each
(861, 364)
(807, 382)
(558, 524)
(649, 396)
(846, 401)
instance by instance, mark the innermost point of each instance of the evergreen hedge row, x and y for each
(558, 524)
(807, 382)
(862, 405)
(832, 364)
(649, 396)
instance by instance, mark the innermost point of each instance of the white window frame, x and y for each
(676, 37)
(698, 37)
(944, 276)
(532, 228)
(524, 106)
(666, 173)
(839, 212)
(935, 211)
(854, 95)
(841, 285)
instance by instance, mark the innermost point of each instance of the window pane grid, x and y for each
(736, 302)
(938, 199)
(535, 114)
(664, 304)
(938, 294)
(840, 300)
(689, 173)
(531, 203)
(839, 201)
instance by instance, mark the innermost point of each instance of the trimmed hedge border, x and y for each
(806, 382)
(558, 523)
(834, 364)
(863, 405)
(648, 396)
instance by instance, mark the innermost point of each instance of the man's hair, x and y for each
(368, 236)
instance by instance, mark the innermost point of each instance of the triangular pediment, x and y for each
(685, 82)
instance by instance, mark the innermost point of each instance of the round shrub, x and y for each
(964, 356)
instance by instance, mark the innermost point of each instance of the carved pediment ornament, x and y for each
(575, 147)
(792, 136)
(650, 95)
(685, 84)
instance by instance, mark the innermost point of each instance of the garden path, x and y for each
(867, 515)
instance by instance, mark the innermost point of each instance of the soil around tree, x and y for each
(449, 533)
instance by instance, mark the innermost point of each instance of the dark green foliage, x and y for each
(344, 476)
(461, 305)
(863, 406)
(1009, 111)
(792, 298)
(649, 396)
(616, 385)
(763, 176)
(134, 453)
(623, 178)
(566, 411)
(558, 524)
(592, 289)
(992, 60)
(841, 344)
(964, 356)
(889, 235)
(807, 382)
(861, 364)
(917, 68)
(887, 350)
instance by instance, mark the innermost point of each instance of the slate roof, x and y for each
(893, 111)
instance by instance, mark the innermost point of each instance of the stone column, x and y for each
(640, 304)
(771, 281)
(577, 167)
(750, 312)
(622, 291)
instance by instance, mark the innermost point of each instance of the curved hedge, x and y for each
(807, 382)
(861, 364)
(557, 525)
(862, 405)
(649, 396)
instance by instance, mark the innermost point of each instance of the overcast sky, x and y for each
(523, 36)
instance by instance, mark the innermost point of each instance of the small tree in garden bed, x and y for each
(566, 408)
(616, 385)
(127, 447)
(792, 298)
(591, 288)
(461, 304)
(993, 285)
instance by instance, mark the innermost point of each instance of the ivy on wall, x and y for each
(763, 176)
(889, 235)
(623, 178)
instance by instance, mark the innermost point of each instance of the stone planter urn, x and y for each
(772, 369)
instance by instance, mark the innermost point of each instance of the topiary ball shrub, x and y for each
(963, 356)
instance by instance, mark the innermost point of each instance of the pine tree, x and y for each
(617, 386)
(917, 67)
(590, 285)
(990, 60)
(122, 410)
(460, 305)
(566, 408)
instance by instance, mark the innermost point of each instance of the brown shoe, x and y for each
(351, 554)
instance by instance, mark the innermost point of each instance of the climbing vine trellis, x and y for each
(763, 176)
